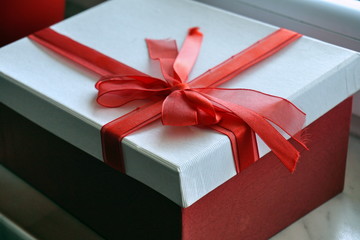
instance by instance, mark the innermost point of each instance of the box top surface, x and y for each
(306, 72)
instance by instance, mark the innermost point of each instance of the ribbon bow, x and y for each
(238, 113)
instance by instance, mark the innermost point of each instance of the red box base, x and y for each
(255, 204)
(266, 198)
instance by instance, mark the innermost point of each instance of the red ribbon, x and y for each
(238, 113)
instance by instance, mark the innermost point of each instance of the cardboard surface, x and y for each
(59, 96)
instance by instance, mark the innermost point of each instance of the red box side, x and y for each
(266, 198)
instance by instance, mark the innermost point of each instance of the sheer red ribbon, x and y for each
(237, 113)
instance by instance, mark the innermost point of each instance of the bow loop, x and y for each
(115, 91)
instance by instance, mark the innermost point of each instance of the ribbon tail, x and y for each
(165, 51)
(283, 149)
(188, 54)
(275, 109)
(176, 66)
(81, 54)
(242, 139)
(113, 132)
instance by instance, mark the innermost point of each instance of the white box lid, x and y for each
(182, 163)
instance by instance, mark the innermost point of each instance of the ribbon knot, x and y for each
(188, 108)
(180, 86)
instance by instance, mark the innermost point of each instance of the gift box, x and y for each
(20, 18)
(193, 167)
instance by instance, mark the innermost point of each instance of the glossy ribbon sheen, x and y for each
(238, 113)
